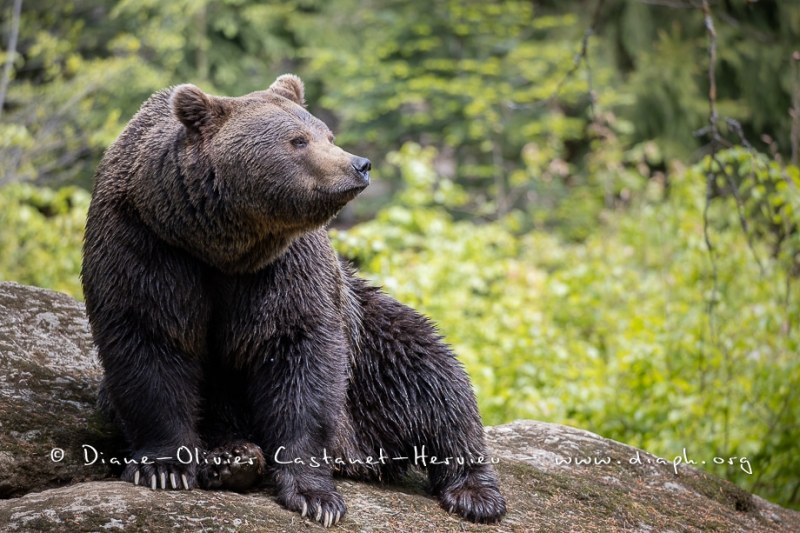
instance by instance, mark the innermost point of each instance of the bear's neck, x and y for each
(247, 257)
(186, 208)
(223, 242)
(229, 252)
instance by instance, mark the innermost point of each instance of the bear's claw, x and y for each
(475, 501)
(327, 508)
(154, 475)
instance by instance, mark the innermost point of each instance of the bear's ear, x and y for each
(194, 108)
(291, 87)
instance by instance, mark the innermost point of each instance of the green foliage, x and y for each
(626, 333)
(767, 199)
(41, 234)
(479, 79)
(486, 83)
(83, 68)
(662, 54)
(75, 84)
(542, 217)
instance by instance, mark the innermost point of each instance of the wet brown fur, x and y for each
(222, 314)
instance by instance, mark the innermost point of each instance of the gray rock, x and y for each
(48, 384)
(48, 387)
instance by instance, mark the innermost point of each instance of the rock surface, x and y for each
(48, 384)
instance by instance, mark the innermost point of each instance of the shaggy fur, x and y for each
(223, 316)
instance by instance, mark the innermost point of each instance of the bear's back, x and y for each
(137, 141)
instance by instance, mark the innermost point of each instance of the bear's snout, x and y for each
(362, 166)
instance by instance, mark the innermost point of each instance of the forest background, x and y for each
(597, 201)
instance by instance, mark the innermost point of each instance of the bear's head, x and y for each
(265, 165)
(271, 154)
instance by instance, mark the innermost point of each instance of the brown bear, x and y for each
(225, 322)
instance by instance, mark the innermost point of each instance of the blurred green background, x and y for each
(550, 210)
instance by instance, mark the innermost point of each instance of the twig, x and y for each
(674, 4)
(740, 210)
(11, 52)
(712, 79)
(713, 133)
(795, 111)
(582, 56)
(717, 141)
(734, 125)
(713, 260)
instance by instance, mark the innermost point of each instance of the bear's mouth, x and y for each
(347, 192)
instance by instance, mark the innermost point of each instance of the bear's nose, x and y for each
(362, 166)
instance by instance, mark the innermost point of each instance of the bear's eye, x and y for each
(299, 142)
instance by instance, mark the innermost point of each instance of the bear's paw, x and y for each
(474, 499)
(237, 466)
(326, 507)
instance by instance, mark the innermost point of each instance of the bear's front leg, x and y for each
(149, 317)
(153, 393)
(297, 394)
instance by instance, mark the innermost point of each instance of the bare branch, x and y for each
(739, 210)
(713, 117)
(675, 4)
(795, 111)
(581, 57)
(711, 130)
(11, 52)
(717, 141)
